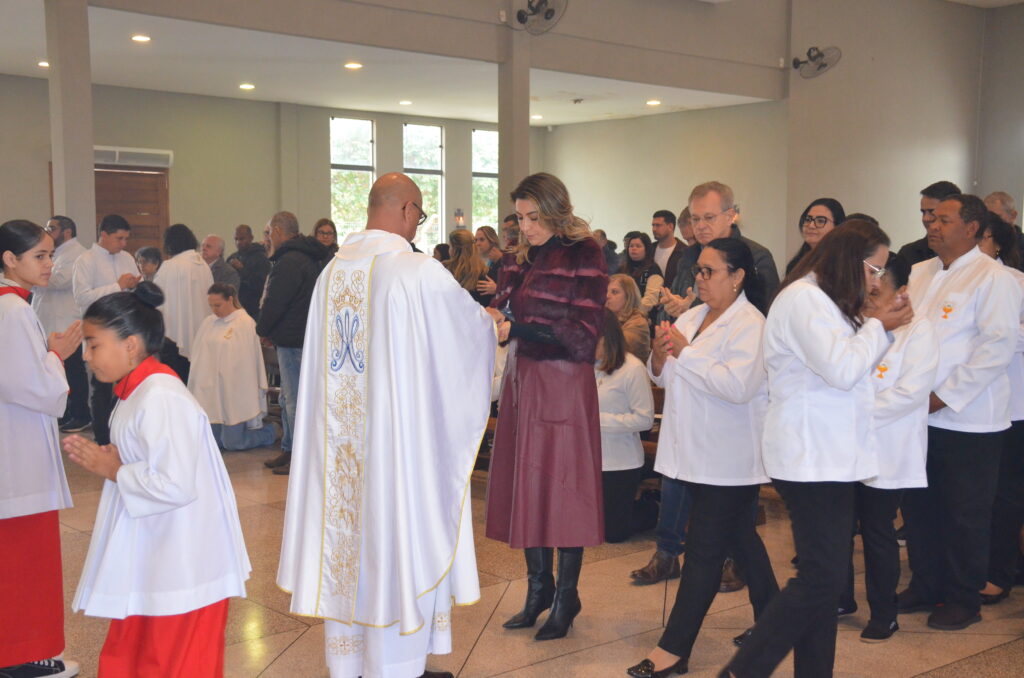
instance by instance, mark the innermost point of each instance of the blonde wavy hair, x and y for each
(552, 199)
(465, 264)
(631, 292)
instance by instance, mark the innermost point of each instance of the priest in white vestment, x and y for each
(185, 280)
(393, 402)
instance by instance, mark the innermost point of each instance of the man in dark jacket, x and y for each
(296, 261)
(931, 196)
(253, 266)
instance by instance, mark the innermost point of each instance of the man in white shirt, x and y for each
(104, 268)
(973, 303)
(185, 279)
(667, 247)
(55, 305)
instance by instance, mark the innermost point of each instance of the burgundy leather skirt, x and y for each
(544, 484)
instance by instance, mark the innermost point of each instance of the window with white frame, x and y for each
(423, 160)
(485, 179)
(352, 173)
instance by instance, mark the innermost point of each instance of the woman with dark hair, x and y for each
(544, 489)
(466, 265)
(228, 376)
(167, 549)
(326, 234)
(442, 252)
(184, 279)
(33, 393)
(148, 260)
(710, 364)
(639, 264)
(627, 408)
(999, 240)
(817, 219)
(821, 346)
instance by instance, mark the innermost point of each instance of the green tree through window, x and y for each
(485, 178)
(352, 173)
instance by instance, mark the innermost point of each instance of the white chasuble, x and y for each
(393, 402)
(185, 279)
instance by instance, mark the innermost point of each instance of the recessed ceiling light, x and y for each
(139, 37)
(653, 102)
(43, 64)
(247, 85)
(353, 65)
(536, 117)
(405, 102)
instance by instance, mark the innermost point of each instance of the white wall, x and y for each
(1002, 121)
(619, 172)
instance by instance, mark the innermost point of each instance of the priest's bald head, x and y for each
(395, 206)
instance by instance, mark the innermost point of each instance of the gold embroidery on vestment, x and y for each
(344, 645)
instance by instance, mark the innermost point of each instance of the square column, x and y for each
(513, 115)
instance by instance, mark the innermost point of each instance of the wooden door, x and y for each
(140, 196)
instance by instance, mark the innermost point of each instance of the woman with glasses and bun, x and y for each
(821, 347)
(817, 219)
(544, 487)
(710, 364)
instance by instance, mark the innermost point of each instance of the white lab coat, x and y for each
(55, 304)
(167, 539)
(95, 274)
(819, 425)
(185, 280)
(975, 309)
(903, 382)
(627, 408)
(33, 393)
(715, 400)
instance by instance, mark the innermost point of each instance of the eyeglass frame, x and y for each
(423, 214)
(814, 220)
(697, 220)
(876, 272)
(698, 271)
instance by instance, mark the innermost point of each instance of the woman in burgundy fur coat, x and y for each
(544, 490)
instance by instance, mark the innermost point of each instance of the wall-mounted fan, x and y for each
(817, 62)
(541, 15)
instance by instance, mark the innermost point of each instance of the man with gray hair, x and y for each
(212, 250)
(296, 261)
(1003, 204)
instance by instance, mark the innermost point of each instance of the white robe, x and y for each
(393, 402)
(55, 304)
(167, 539)
(33, 393)
(228, 376)
(185, 279)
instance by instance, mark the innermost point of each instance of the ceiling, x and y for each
(198, 58)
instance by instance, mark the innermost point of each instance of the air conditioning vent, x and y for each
(132, 157)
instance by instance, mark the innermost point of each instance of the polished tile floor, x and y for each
(619, 622)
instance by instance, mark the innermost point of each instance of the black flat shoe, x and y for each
(645, 669)
(993, 598)
(438, 674)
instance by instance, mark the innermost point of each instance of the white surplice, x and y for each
(167, 539)
(96, 272)
(393, 402)
(185, 279)
(55, 304)
(228, 376)
(33, 393)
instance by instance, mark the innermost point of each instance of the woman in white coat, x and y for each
(710, 363)
(627, 408)
(821, 347)
(903, 381)
(33, 393)
(228, 376)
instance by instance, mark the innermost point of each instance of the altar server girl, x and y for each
(167, 549)
(33, 393)
(903, 380)
(228, 376)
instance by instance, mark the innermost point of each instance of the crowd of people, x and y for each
(863, 384)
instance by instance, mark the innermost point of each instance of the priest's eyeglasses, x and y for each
(819, 221)
(423, 215)
(876, 271)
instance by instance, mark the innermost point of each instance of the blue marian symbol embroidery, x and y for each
(347, 324)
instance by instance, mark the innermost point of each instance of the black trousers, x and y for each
(950, 521)
(720, 523)
(101, 404)
(876, 512)
(802, 616)
(619, 493)
(1008, 510)
(78, 386)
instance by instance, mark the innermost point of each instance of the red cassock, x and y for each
(544, 485)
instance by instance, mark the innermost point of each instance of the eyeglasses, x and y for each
(703, 272)
(876, 271)
(820, 222)
(49, 229)
(423, 215)
(708, 218)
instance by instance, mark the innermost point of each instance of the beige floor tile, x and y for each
(248, 620)
(249, 658)
(468, 624)
(82, 514)
(303, 658)
(260, 485)
(1003, 661)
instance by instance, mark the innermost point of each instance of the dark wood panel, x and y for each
(141, 197)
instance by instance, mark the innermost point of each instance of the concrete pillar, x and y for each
(71, 131)
(513, 114)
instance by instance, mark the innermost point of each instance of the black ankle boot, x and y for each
(540, 587)
(567, 603)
